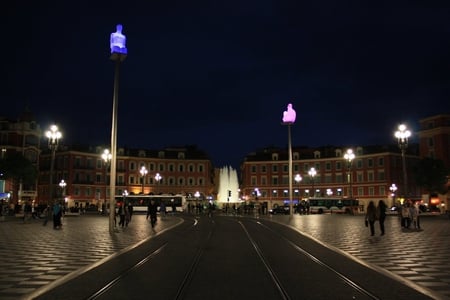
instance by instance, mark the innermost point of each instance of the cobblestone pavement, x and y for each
(33, 256)
(420, 257)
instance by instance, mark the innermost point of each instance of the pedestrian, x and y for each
(415, 215)
(152, 209)
(27, 211)
(381, 214)
(406, 215)
(57, 214)
(174, 207)
(371, 217)
(162, 209)
(122, 215)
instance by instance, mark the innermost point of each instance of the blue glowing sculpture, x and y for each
(117, 41)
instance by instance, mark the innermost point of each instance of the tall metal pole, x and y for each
(118, 54)
(289, 117)
(291, 196)
(112, 178)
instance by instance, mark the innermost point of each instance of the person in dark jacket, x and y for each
(152, 209)
(371, 216)
(381, 214)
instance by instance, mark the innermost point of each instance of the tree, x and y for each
(15, 167)
(431, 174)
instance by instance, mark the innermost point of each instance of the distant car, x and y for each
(279, 210)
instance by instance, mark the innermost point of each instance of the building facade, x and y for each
(434, 141)
(23, 136)
(183, 170)
(265, 174)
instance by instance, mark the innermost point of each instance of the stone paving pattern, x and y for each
(33, 255)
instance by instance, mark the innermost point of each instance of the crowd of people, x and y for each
(409, 215)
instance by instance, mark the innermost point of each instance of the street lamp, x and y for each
(298, 178)
(402, 135)
(106, 156)
(312, 173)
(393, 189)
(118, 54)
(143, 172)
(289, 116)
(158, 177)
(62, 185)
(349, 156)
(53, 136)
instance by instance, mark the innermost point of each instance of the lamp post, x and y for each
(393, 189)
(62, 185)
(106, 156)
(298, 178)
(312, 173)
(288, 119)
(402, 135)
(53, 136)
(349, 156)
(143, 172)
(158, 177)
(118, 54)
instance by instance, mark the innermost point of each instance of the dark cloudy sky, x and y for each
(219, 74)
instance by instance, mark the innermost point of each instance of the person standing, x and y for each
(381, 213)
(152, 209)
(122, 215)
(371, 217)
(57, 214)
(415, 211)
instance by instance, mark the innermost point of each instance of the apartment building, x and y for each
(22, 135)
(181, 170)
(369, 177)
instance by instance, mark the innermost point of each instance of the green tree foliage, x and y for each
(431, 174)
(16, 167)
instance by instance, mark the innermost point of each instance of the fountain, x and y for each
(228, 186)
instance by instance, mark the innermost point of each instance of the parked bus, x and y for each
(332, 205)
(140, 202)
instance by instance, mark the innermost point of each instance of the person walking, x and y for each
(152, 209)
(406, 215)
(415, 211)
(381, 214)
(162, 209)
(57, 214)
(122, 215)
(371, 217)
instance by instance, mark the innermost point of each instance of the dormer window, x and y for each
(316, 154)
(274, 156)
(181, 155)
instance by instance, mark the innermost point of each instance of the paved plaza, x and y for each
(33, 256)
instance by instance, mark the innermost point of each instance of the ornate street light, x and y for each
(298, 178)
(312, 173)
(393, 189)
(158, 178)
(106, 156)
(349, 156)
(119, 52)
(62, 185)
(143, 172)
(53, 136)
(289, 116)
(402, 135)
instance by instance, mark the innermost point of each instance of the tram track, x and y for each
(213, 257)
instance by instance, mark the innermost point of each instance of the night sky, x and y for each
(219, 74)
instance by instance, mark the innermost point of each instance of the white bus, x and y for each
(319, 205)
(140, 202)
